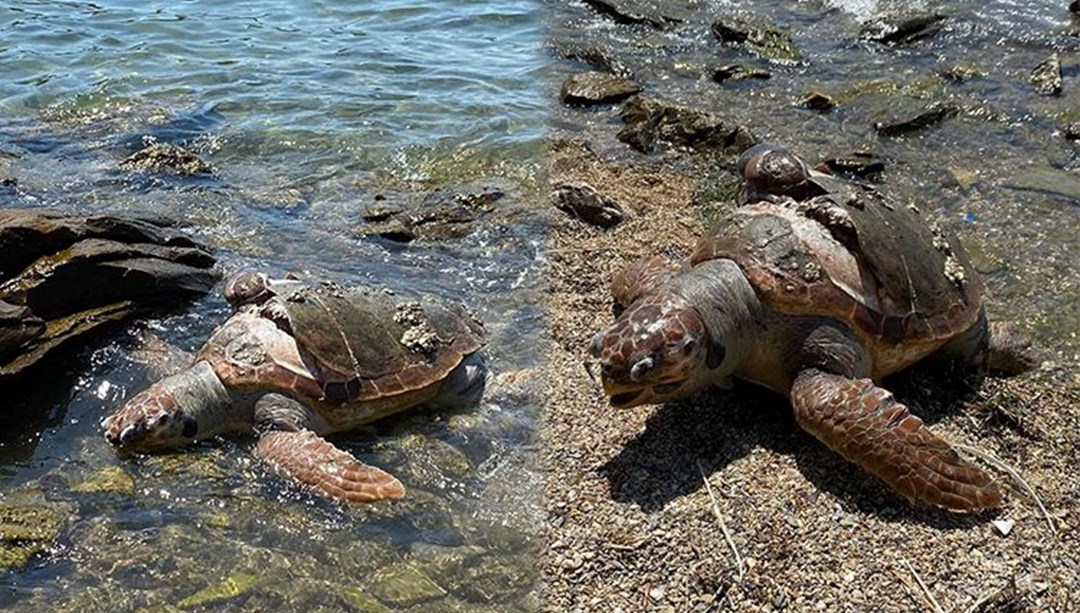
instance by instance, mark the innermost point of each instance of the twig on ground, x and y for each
(995, 598)
(723, 526)
(1002, 466)
(926, 591)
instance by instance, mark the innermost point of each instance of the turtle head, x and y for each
(174, 411)
(769, 170)
(247, 287)
(657, 350)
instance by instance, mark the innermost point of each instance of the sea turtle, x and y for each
(816, 288)
(299, 360)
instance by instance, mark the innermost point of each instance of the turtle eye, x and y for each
(596, 346)
(642, 368)
(191, 427)
(716, 353)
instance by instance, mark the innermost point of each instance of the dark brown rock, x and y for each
(1074, 7)
(442, 213)
(1071, 131)
(902, 30)
(629, 12)
(597, 58)
(597, 88)
(856, 165)
(1046, 78)
(738, 72)
(649, 123)
(760, 37)
(582, 201)
(63, 276)
(816, 101)
(931, 116)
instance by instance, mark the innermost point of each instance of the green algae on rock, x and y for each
(231, 587)
(26, 530)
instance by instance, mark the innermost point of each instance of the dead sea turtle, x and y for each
(299, 360)
(816, 288)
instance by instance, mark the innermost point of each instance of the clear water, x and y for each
(307, 111)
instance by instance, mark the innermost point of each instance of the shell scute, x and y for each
(852, 255)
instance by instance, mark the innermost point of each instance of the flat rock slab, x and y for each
(64, 276)
(902, 29)
(597, 88)
(757, 35)
(649, 123)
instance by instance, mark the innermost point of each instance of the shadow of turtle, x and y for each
(715, 428)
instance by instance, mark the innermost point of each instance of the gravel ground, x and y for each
(721, 502)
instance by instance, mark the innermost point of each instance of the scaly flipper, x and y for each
(293, 450)
(312, 460)
(867, 426)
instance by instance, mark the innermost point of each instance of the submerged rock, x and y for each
(931, 116)
(856, 165)
(816, 101)
(634, 12)
(738, 72)
(26, 530)
(64, 276)
(160, 157)
(584, 202)
(597, 88)
(648, 123)
(595, 57)
(1046, 78)
(221, 592)
(759, 36)
(902, 30)
(442, 213)
(403, 585)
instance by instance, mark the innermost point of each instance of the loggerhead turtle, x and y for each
(300, 360)
(816, 288)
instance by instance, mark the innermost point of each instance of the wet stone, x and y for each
(110, 479)
(649, 123)
(902, 30)
(363, 602)
(816, 101)
(738, 72)
(1046, 78)
(760, 37)
(597, 88)
(584, 202)
(219, 593)
(1071, 131)
(855, 165)
(931, 116)
(633, 12)
(597, 58)
(26, 530)
(160, 157)
(403, 585)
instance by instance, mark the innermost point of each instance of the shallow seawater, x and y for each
(1000, 172)
(309, 113)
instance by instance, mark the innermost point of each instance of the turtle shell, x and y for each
(366, 343)
(852, 255)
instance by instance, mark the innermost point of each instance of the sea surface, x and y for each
(309, 112)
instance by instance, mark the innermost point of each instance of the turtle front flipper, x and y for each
(294, 451)
(312, 460)
(866, 425)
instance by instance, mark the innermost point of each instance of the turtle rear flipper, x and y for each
(867, 426)
(312, 460)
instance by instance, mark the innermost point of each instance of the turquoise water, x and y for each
(309, 112)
